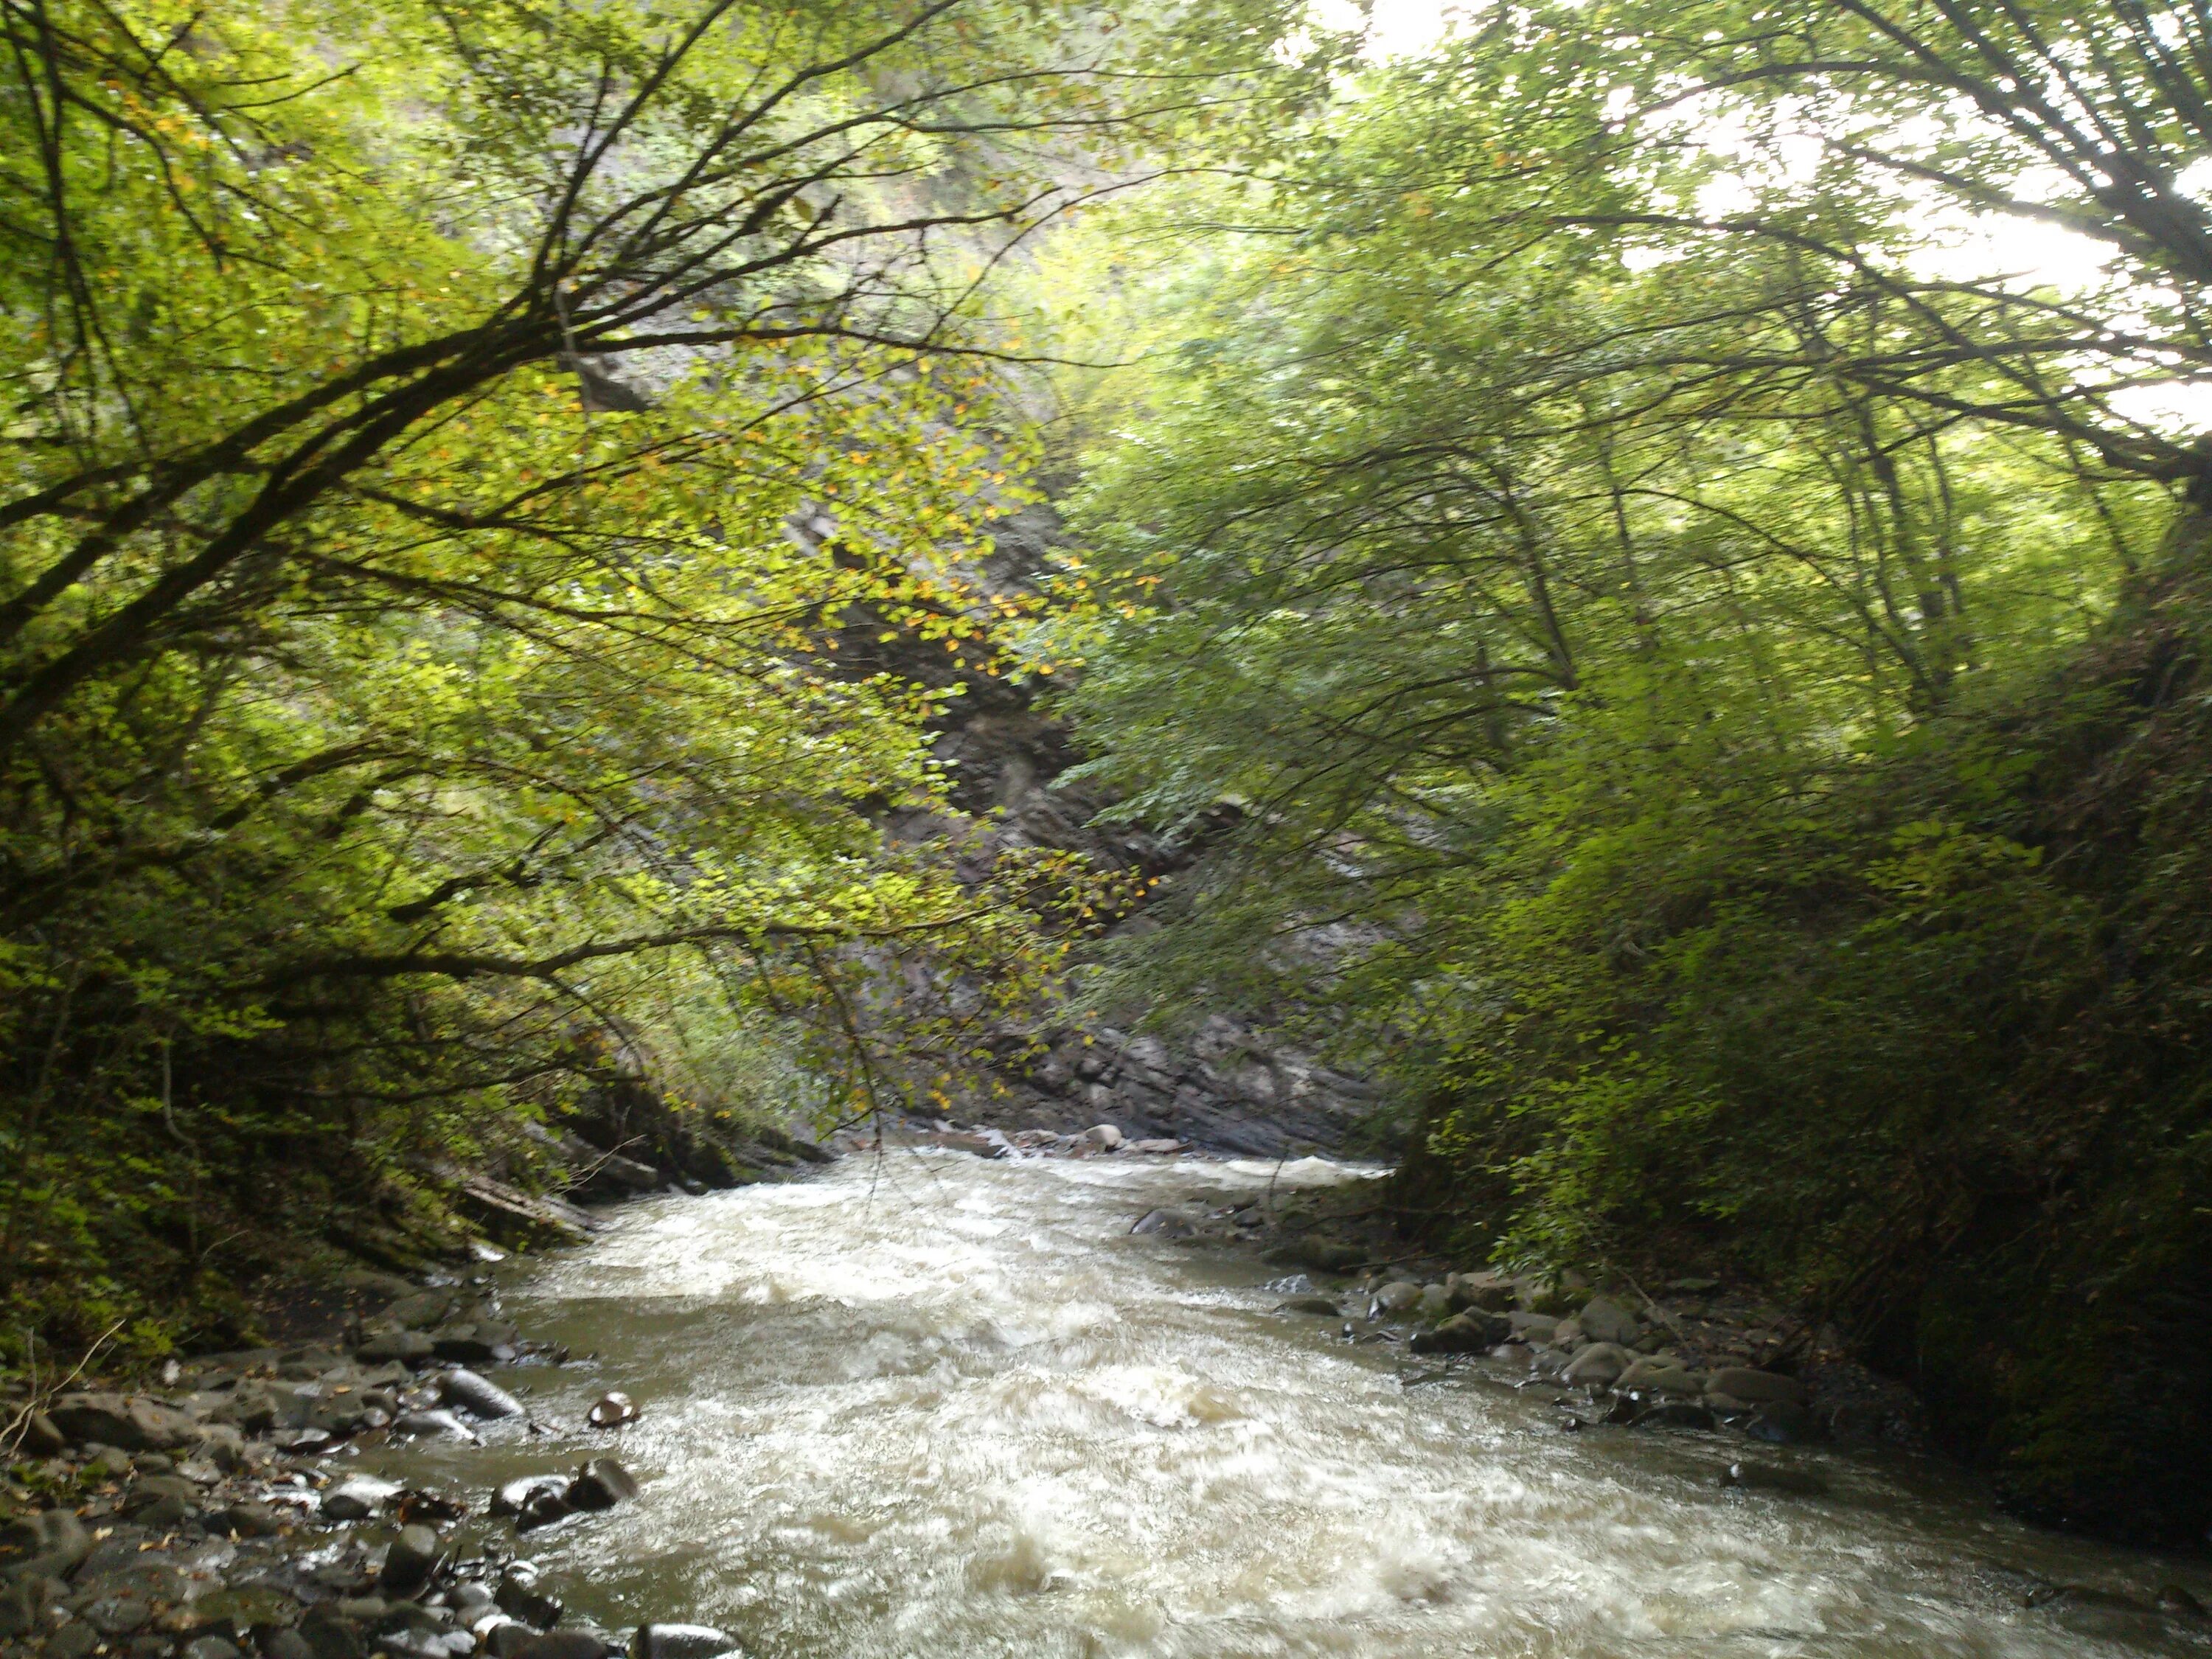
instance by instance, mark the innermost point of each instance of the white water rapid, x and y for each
(932, 1407)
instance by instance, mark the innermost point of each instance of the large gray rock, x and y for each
(131, 1421)
(515, 1497)
(680, 1642)
(1533, 1326)
(1493, 1292)
(1169, 1222)
(520, 1597)
(1397, 1295)
(472, 1393)
(1608, 1321)
(1661, 1377)
(1466, 1332)
(1601, 1363)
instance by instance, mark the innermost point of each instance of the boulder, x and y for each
(1602, 1363)
(130, 1421)
(285, 1644)
(359, 1497)
(600, 1485)
(1399, 1296)
(1533, 1326)
(505, 1641)
(412, 1557)
(612, 1410)
(1661, 1377)
(1493, 1292)
(472, 1393)
(1465, 1333)
(680, 1642)
(1104, 1136)
(1435, 1303)
(1604, 1320)
(1755, 1388)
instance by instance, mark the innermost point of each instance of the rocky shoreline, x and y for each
(208, 1520)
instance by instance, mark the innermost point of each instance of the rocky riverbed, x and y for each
(385, 1492)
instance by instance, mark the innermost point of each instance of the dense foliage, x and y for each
(1705, 660)
(442, 445)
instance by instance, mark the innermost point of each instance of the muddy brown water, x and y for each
(931, 1408)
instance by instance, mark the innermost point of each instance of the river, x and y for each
(927, 1406)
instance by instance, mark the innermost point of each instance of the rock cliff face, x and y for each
(1230, 1084)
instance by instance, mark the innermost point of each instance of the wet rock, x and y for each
(514, 1497)
(1605, 1320)
(1767, 1477)
(1602, 1363)
(600, 1485)
(407, 1347)
(1755, 1388)
(209, 1647)
(475, 1344)
(612, 1410)
(472, 1393)
(505, 1641)
(432, 1423)
(129, 1422)
(1103, 1136)
(359, 1497)
(285, 1644)
(1435, 1303)
(680, 1642)
(1661, 1377)
(1325, 1306)
(411, 1559)
(1169, 1222)
(77, 1640)
(563, 1644)
(520, 1597)
(1466, 1332)
(1783, 1423)
(1491, 1292)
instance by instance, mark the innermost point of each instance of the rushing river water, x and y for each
(932, 1407)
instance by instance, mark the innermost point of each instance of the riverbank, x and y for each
(439, 1488)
